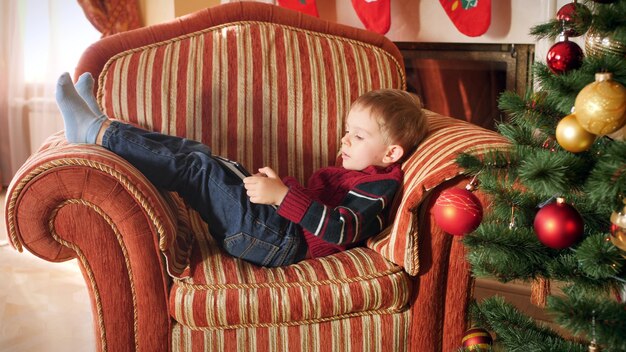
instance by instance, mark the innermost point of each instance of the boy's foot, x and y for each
(84, 87)
(81, 123)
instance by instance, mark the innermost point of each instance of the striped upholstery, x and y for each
(57, 152)
(263, 85)
(432, 163)
(352, 283)
(256, 92)
(223, 85)
(373, 333)
(206, 86)
(285, 108)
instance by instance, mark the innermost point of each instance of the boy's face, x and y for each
(363, 143)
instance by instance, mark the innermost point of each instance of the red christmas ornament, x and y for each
(573, 15)
(564, 56)
(457, 211)
(477, 339)
(558, 225)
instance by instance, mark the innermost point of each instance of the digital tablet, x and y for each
(235, 167)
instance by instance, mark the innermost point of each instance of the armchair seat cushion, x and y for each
(225, 292)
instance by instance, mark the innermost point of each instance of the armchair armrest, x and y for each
(82, 201)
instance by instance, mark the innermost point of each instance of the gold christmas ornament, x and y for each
(601, 105)
(571, 136)
(618, 229)
(597, 44)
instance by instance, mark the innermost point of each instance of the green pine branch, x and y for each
(493, 160)
(563, 88)
(609, 18)
(549, 173)
(595, 266)
(506, 254)
(606, 184)
(517, 332)
(536, 111)
(599, 259)
(577, 310)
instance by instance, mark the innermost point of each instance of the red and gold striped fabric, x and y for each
(432, 164)
(225, 292)
(372, 333)
(56, 153)
(216, 86)
(260, 93)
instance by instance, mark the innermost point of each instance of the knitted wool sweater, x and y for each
(341, 208)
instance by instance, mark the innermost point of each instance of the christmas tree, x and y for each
(558, 211)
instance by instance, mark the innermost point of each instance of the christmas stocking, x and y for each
(305, 6)
(375, 14)
(470, 17)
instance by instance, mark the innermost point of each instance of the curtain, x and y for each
(39, 39)
(112, 16)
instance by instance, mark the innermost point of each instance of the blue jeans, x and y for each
(253, 232)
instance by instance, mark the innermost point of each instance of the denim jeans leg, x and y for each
(249, 231)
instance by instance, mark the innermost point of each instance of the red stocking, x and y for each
(471, 17)
(375, 14)
(305, 6)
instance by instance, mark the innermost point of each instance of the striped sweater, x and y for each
(340, 208)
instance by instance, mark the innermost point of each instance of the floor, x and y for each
(44, 306)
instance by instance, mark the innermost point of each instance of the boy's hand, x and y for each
(266, 187)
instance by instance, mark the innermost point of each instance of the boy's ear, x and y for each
(394, 153)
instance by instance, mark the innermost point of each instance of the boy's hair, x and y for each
(399, 115)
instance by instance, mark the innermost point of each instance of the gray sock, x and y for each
(84, 87)
(81, 123)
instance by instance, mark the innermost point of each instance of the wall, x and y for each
(426, 21)
(411, 20)
(183, 7)
(158, 11)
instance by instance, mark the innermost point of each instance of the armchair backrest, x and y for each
(253, 81)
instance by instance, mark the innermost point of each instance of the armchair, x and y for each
(265, 86)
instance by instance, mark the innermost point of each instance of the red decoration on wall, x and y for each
(308, 7)
(374, 14)
(457, 211)
(470, 17)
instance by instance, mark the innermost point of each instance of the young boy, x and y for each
(339, 208)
